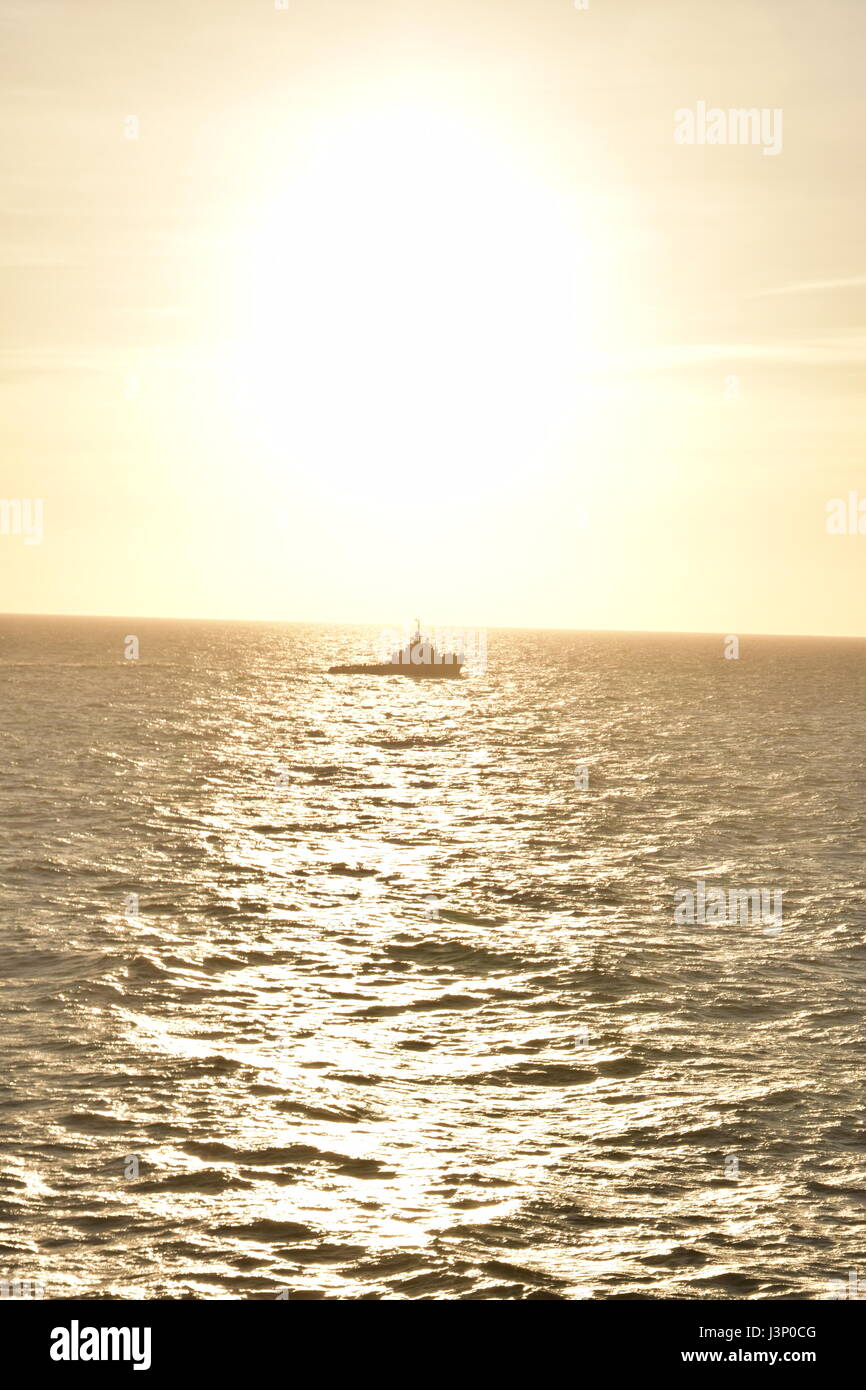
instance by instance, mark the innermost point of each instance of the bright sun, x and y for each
(418, 310)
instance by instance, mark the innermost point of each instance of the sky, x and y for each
(347, 310)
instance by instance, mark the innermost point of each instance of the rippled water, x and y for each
(402, 1011)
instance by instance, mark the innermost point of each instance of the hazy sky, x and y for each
(401, 306)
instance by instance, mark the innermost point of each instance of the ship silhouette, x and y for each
(419, 660)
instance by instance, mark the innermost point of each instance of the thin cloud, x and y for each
(838, 351)
(850, 282)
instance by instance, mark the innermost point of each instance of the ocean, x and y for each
(321, 987)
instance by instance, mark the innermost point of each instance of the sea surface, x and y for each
(331, 987)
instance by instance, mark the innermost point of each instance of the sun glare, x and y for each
(417, 306)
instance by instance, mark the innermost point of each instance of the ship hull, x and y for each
(442, 672)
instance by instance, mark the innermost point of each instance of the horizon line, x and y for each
(341, 622)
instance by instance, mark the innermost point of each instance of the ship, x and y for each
(419, 660)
